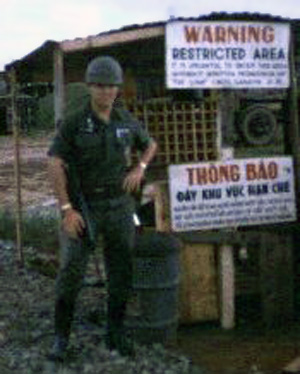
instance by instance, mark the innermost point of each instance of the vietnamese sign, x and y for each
(234, 193)
(227, 55)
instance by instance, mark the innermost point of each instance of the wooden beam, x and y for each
(17, 165)
(59, 86)
(226, 257)
(112, 38)
(293, 130)
(161, 206)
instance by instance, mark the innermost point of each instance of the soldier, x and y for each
(89, 164)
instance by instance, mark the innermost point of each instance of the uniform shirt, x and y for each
(99, 151)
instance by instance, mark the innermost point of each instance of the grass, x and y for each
(38, 230)
(39, 240)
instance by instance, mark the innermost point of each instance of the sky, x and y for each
(26, 24)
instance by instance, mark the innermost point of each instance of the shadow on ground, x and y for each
(248, 348)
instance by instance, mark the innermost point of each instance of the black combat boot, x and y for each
(63, 320)
(59, 349)
(117, 339)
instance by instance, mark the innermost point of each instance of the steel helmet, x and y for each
(104, 70)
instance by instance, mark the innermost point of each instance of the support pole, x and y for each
(59, 86)
(227, 287)
(294, 118)
(226, 256)
(17, 165)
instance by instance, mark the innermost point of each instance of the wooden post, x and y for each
(227, 289)
(294, 119)
(17, 168)
(59, 88)
(225, 120)
(161, 204)
(220, 118)
(226, 258)
(294, 366)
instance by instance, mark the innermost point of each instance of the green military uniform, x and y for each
(97, 156)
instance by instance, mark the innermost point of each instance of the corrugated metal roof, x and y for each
(46, 48)
(214, 16)
(113, 37)
(156, 29)
(137, 32)
(243, 16)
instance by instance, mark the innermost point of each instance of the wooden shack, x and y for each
(192, 126)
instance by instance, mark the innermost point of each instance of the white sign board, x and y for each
(227, 55)
(234, 193)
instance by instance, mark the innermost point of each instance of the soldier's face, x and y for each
(103, 96)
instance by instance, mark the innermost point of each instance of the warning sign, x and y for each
(234, 193)
(227, 55)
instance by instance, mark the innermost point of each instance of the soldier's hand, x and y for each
(73, 223)
(133, 180)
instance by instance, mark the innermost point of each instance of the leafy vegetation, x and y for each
(38, 230)
(76, 97)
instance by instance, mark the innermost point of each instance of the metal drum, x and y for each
(155, 286)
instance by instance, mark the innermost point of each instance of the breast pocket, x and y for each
(90, 147)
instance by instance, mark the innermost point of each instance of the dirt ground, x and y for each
(35, 186)
(245, 349)
(241, 350)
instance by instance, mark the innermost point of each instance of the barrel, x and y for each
(155, 285)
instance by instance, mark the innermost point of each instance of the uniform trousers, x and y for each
(113, 218)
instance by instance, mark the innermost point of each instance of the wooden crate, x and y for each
(185, 131)
(277, 277)
(198, 291)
